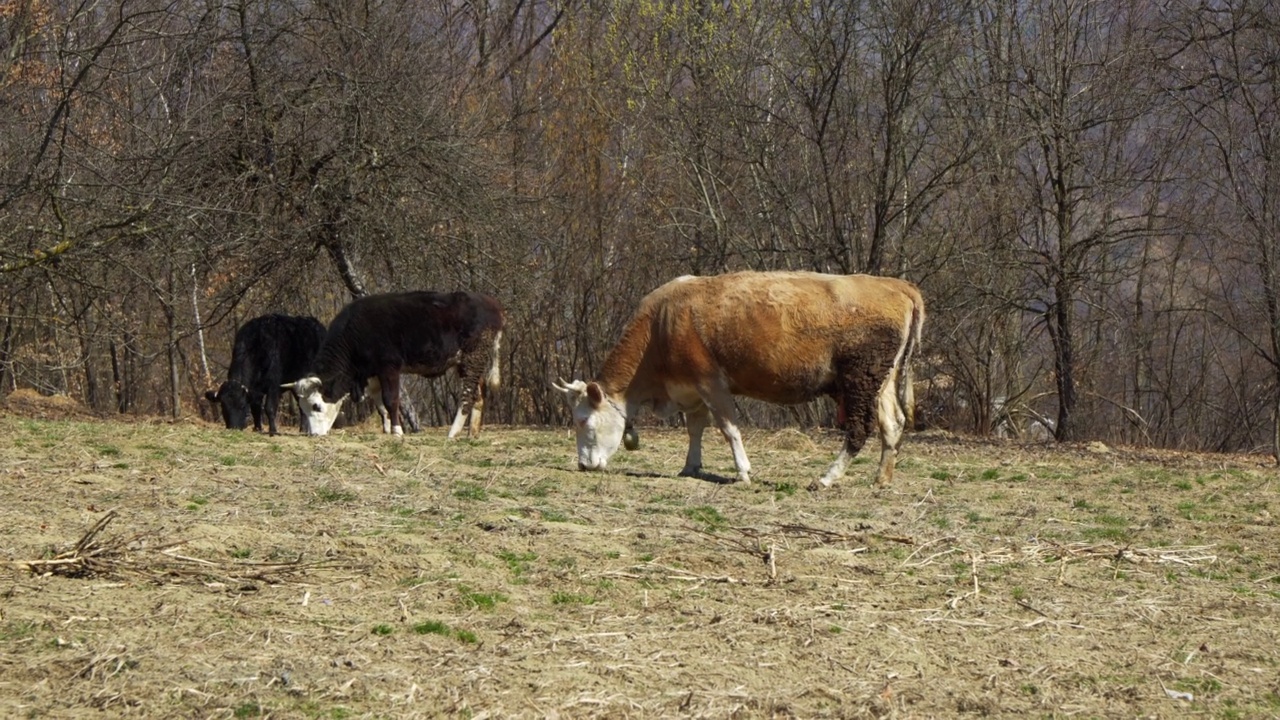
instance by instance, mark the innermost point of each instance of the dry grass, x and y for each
(180, 570)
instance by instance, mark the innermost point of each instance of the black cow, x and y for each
(383, 336)
(269, 351)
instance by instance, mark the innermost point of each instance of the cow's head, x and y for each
(319, 412)
(601, 423)
(233, 400)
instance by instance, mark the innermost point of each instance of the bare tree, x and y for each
(1226, 77)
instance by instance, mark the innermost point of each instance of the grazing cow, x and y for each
(783, 337)
(376, 338)
(269, 351)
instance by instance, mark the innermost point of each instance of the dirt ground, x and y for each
(182, 570)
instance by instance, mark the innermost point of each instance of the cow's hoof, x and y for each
(692, 472)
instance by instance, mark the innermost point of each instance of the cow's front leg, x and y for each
(255, 408)
(391, 400)
(273, 408)
(304, 420)
(695, 421)
(375, 390)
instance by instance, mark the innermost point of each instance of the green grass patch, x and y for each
(438, 627)
(470, 491)
(785, 489)
(432, 627)
(1112, 534)
(550, 515)
(480, 600)
(567, 598)
(335, 494)
(710, 517)
(517, 563)
(17, 630)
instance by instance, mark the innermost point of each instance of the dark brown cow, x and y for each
(783, 337)
(380, 337)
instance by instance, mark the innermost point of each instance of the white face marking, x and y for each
(320, 415)
(599, 433)
(599, 427)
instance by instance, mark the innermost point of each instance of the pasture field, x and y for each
(182, 570)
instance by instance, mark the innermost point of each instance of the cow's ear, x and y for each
(211, 396)
(595, 394)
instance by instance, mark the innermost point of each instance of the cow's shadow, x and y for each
(640, 474)
(716, 479)
(702, 475)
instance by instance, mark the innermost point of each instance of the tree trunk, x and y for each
(6, 354)
(1060, 332)
(1275, 418)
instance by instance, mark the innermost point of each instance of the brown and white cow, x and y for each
(376, 338)
(782, 337)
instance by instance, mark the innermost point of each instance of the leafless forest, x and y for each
(1087, 191)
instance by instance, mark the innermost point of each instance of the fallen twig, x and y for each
(93, 556)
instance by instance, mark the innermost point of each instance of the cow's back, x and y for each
(275, 348)
(420, 330)
(299, 340)
(776, 336)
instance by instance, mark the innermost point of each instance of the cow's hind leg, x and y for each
(477, 369)
(470, 403)
(856, 397)
(470, 408)
(720, 400)
(854, 416)
(892, 421)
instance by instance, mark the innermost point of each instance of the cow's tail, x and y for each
(493, 377)
(904, 380)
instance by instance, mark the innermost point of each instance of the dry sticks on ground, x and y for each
(141, 554)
